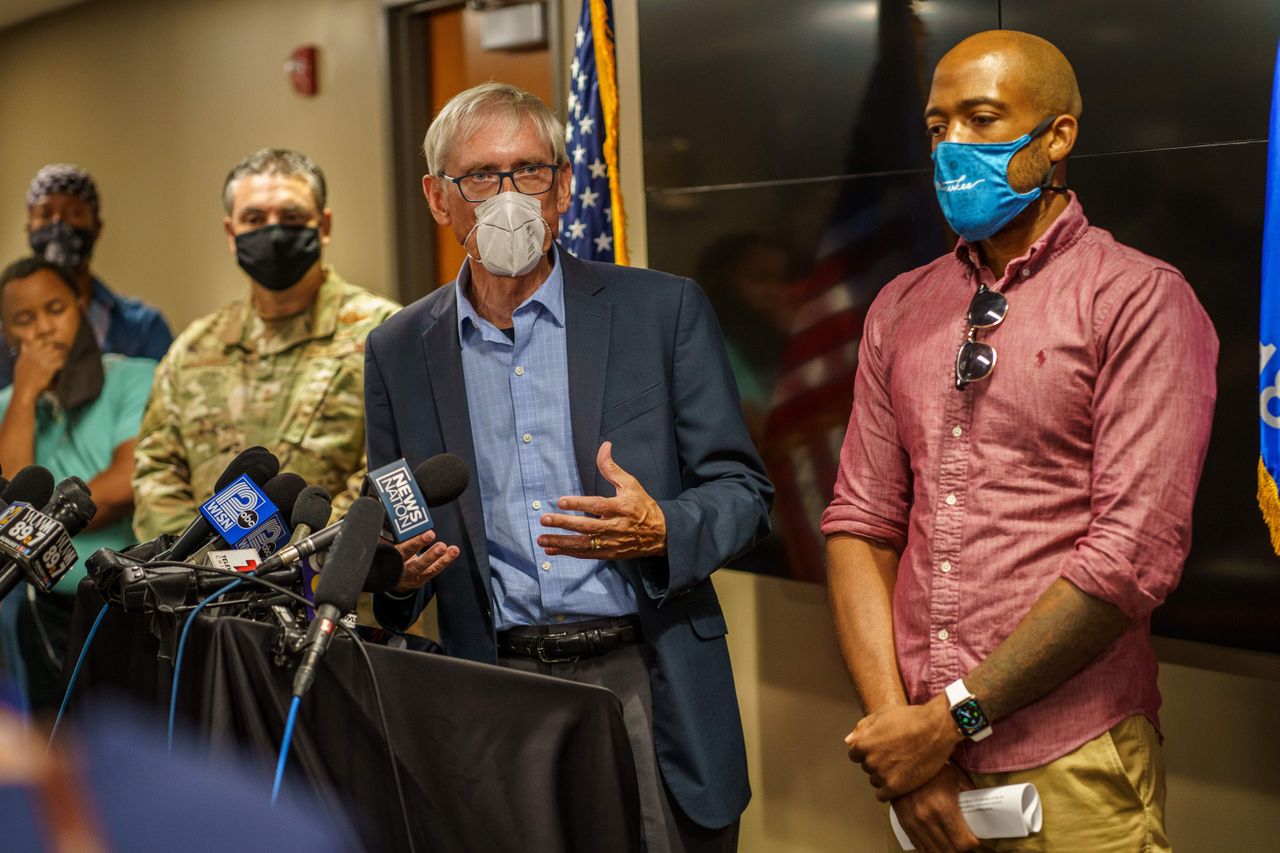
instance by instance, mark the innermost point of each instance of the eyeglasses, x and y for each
(976, 360)
(534, 179)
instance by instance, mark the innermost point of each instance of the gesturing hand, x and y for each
(419, 568)
(628, 525)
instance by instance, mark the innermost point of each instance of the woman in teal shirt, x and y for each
(76, 412)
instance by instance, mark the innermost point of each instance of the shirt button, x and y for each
(526, 438)
(1025, 272)
(951, 499)
(946, 566)
(546, 566)
(537, 504)
(942, 635)
(956, 431)
(519, 371)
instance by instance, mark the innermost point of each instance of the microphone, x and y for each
(441, 479)
(37, 543)
(405, 495)
(310, 512)
(266, 529)
(345, 573)
(33, 485)
(384, 574)
(258, 464)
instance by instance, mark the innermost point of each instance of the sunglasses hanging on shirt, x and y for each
(976, 359)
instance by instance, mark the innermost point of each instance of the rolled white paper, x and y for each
(1009, 811)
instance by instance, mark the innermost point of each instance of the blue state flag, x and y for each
(1269, 332)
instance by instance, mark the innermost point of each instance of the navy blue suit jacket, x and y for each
(647, 371)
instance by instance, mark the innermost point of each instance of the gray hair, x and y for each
(276, 161)
(466, 112)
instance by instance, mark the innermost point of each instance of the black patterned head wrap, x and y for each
(63, 178)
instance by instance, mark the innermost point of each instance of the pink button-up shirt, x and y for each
(1077, 458)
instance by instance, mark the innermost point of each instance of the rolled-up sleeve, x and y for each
(1153, 410)
(873, 483)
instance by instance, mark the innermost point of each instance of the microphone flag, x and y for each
(406, 508)
(38, 542)
(246, 518)
(1269, 331)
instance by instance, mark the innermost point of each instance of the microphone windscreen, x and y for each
(349, 559)
(442, 478)
(283, 490)
(258, 462)
(386, 571)
(312, 508)
(33, 484)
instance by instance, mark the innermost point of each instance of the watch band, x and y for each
(966, 712)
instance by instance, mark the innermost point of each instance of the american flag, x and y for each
(593, 228)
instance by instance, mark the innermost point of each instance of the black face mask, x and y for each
(81, 378)
(278, 256)
(63, 245)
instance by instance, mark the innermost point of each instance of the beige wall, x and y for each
(159, 99)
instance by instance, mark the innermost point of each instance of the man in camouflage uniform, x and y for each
(283, 369)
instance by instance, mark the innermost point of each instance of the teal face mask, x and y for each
(972, 183)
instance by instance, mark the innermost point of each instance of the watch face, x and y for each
(969, 717)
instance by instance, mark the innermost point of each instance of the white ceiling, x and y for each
(15, 11)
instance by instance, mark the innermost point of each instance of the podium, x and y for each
(490, 759)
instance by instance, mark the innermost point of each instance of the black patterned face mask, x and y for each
(59, 243)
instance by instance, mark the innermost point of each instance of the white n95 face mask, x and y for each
(509, 233)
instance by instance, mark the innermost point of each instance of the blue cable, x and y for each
(284, 747)
(75, 673)
(182, 645)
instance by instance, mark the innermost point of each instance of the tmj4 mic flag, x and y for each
(1269, 332)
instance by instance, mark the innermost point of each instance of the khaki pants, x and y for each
(1105, 797)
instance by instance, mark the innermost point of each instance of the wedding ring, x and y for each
(595, 543)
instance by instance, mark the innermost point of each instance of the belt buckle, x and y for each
(541, 652)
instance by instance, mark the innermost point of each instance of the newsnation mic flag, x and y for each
(1269, 337)
(595, 226)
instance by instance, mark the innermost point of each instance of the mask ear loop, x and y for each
(1047, 183)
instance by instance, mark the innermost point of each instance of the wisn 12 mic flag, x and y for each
(246, 518)
(406, 508)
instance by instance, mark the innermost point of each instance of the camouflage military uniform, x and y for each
(232, 380)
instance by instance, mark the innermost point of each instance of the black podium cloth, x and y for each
(490, 759)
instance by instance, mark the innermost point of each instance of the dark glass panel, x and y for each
(758, 90)
(1158, 74)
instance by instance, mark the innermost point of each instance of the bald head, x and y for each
(1028, 64)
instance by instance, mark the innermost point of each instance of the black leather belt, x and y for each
(572, 642)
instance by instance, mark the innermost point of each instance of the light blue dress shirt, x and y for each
(518, 395)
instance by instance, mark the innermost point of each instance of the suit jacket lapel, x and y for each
(443, 354)
(587, 322)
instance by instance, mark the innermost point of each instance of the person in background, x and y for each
(64, 222)
(747, 278)
(74, 410)
(283, 368)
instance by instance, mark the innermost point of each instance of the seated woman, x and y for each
(76, 412)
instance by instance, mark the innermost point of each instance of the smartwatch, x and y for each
(967, 713)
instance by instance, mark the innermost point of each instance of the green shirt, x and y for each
(82, 444)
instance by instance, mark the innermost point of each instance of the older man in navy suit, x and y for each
(613, 470)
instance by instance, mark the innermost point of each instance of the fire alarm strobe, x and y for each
(301, 68)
